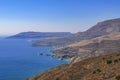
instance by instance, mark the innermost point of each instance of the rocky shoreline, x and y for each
(105, 67)
(90, 48)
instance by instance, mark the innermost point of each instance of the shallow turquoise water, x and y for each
(19, 60)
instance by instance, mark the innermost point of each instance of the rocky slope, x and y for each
(96, 68)
(40, 34)
(89, 48)
(100, 29)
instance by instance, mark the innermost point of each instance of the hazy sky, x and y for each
(54, 15)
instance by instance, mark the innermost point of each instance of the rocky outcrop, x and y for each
(89, 48)
(100, 29)
(96, 68)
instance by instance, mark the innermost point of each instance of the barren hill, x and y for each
(105, 67)
(89, 48)
(100, 29)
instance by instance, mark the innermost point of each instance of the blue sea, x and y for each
(19, 60)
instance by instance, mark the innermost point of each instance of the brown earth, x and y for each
(105, 67)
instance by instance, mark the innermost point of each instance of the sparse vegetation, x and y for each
(117, 77)
(119, 59)
(116, 60)
(57, 78)
(97, 69)
(88, 34)
(94, 72)
(109, 61)
(103, 58)
(118, 55)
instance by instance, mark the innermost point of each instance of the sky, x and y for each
(54, 15)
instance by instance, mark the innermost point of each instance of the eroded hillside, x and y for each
(89, 48)
(105, 67)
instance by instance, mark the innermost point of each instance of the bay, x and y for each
(19, 60)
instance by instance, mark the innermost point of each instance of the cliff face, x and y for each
(100, 29)
(89, 48)
(105, 67)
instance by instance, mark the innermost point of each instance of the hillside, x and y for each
(105, 67)
(41, 34)
(100, 29)
(89, 48)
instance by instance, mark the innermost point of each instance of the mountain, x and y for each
(88, 48)
(94, 54)
(105, 67)
(40, 34)
(100, 29)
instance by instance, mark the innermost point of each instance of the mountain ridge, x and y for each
(94, 54)
(100, 29)
(32, 34)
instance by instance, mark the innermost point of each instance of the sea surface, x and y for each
(19, 60)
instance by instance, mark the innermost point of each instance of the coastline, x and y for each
(67, 62)
(106, 65)
(18, 57)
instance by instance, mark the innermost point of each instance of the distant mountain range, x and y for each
(100, 29)
(40, 35)
(95, 68)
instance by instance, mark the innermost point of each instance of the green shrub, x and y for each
(57, 79)
(98, 70)
(117, 77)
(103, 58)
(118, 55)
(119, 59)
(115, 60)
(109, 61)
(94, 72)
